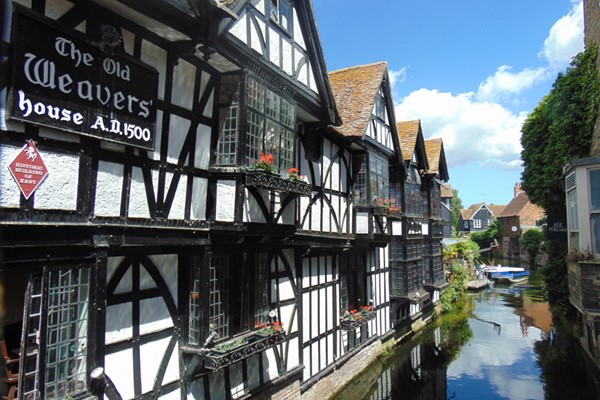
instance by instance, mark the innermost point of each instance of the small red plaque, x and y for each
(28, 169)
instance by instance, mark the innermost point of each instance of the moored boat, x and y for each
(510, 277)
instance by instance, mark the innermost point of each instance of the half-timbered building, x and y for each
(183, 213)
(407, 261)
(437, 174)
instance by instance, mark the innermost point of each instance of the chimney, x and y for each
(518, 188)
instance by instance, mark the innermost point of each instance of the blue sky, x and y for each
(471, 70)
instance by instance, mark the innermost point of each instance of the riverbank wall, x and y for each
(353, 370)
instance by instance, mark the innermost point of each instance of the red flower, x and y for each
(293, 171)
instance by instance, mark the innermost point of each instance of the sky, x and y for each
(470, 70)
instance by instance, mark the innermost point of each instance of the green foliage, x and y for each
(486, 238)
(456, 207)
(451, 297)
(555, 275)
(466, 249)
(531, 240)
(558, 130)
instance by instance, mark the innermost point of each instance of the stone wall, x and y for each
(584, 285)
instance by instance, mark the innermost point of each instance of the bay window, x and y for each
(268, 126)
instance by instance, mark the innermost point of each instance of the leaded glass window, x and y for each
(61, 330)
(270, 127)
(281, 12)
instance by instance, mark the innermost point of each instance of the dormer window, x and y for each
(281, 13)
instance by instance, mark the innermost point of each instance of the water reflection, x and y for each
(504, 345)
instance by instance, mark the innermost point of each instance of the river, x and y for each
(505, 345)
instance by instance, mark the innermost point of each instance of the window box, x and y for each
(231, 352)
(357, 318)
(267, 180)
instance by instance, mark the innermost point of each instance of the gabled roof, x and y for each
(355, 90)
(411, 141)
(465, 214)
(520, 206)
(436, 158)
(496, 209)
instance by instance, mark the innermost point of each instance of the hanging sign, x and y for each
(62, 81)
(28, 169)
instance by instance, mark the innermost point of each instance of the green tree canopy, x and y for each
(559, 130)
(456, 207)
(531, 240)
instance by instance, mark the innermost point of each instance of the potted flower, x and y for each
(269, 328)
(265, 162)
(294, 175)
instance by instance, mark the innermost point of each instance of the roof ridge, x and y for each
(358, 66)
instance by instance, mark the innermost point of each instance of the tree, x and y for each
(457, 206)
(486, 238)
(531, 240)
(559, 130)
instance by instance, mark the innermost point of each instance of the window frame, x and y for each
(264, 121)
(477, 223)
(275, 14)
(594, 208)
(48, 316)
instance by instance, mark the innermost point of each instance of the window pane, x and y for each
(254, 137)
(285, 15)
(573, 211)
(226, 147)
(595, 189)
(66, 341)
(256, 95)
(272, 105)
(219, 296)
(596, 232)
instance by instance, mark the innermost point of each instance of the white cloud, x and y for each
(565, 39)
(505, 83)
(472, 130)
(396, 78)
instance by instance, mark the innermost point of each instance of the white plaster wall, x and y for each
(198, 207)
(303, 74)
(425, 229)
(239, 29)
(252, 212)
(109, 186)
(177, 210)
(178, 130)
(155, 155)
(151, 355)
(57, 8)
(362, 222)
(202, 149)
(316, 215)
(225, 204)
(128, 41)
(287, 61)
(274, 43)
(293, 353)
(257, 36)
(59, 190)
(397, 228)
(157, 58)
(286, 291)
(138, 203)
(167, 264)
(9, 190)
(208, 110)
(184, 75)
(272, 371)
(119, 368)
(259, 5)
(285, 316)
(118, 323)
(298, 36)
